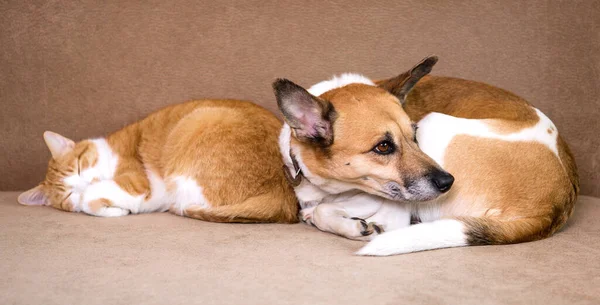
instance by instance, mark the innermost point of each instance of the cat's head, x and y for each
(70, 170)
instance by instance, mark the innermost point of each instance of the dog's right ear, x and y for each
(310, 118)
(401, 85)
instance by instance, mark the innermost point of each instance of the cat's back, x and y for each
(154, 130)
(228, 151)
(214, 160)
(163, 120)
(219, 121)
(223, 126)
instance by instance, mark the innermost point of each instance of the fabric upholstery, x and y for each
(85, 68)
(53, 257)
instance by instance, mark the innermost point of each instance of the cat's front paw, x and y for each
(112, 212)
(103, 207)
(107, 199)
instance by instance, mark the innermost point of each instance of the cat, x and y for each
(214, 160)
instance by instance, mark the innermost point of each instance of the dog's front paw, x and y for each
(367, 230)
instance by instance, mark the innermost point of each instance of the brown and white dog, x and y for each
(350, 148)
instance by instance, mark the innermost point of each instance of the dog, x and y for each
(481, 166)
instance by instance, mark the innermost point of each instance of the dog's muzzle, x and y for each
(424, 188)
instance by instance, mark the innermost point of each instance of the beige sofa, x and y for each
(86, 68)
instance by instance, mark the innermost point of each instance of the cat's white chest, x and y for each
(160, 199)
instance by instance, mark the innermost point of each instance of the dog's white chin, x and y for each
(422, 197)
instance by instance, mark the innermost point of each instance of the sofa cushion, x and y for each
(53, 257)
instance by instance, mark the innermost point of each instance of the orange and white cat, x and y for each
(215, 160)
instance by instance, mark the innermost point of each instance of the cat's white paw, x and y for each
(111, 212)
(107, 199)
(104, 208)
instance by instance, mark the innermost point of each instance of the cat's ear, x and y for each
(57, 144)
(34, 196)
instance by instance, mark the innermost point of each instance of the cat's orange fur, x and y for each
(227, 149)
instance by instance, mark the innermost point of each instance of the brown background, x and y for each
(86, 68)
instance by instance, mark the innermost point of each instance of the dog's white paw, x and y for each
(306, 215)
(444, 233)
(378, 246)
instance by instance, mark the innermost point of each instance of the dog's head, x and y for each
(358, 137)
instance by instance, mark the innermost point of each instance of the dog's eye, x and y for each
(384, 148)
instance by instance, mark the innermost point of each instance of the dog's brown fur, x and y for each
(510, 186)
(507, 192)
(359, 126)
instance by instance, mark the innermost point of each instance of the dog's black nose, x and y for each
(442, 180)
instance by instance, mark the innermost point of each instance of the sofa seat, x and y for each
(53, 257)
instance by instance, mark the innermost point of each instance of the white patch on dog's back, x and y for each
(186, 192)
(436, 130)
(338, 82)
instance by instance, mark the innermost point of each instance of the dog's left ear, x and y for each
(401, 85)
(310, 117)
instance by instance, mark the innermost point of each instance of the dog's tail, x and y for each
(458, 232)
